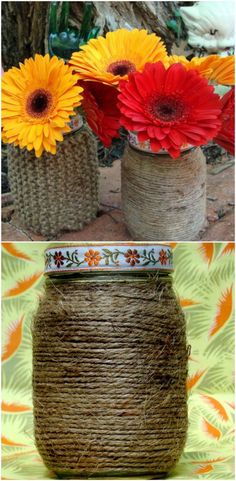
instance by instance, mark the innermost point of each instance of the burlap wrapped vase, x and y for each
(56, 193)
(109, 362)
(163, 198)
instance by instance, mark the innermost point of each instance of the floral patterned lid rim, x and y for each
(146, 147)
(76, 123)
(108, 257)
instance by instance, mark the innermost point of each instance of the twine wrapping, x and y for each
(58, 192)
(162, 198)
(109, 376)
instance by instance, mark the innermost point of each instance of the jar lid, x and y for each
(146, 146)
(120, 257)
(76, 123)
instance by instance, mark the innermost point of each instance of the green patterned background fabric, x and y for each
(203, 279)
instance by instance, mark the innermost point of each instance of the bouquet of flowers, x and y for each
(123, 79)
(166, 100)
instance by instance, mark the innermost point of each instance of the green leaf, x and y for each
(107, 251)
(86, 22)
(63, 24)
(93, 33)
(53, 17)
(153, 258)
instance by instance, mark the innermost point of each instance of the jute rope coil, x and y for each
(163, 198)
(109, 375)
(58, 192)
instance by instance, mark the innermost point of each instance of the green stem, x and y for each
(77, 263)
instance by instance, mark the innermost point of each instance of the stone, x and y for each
(212, 217)
(219, 168)
(11, 233)
(7, 199)
(213, 199)
(7, 213)
(223, 230)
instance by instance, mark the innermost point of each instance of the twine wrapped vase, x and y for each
(56, 193)
(163, 198)
(109, 362)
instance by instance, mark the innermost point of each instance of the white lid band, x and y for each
(109, 257)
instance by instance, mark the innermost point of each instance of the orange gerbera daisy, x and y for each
(215, 68)
(112, 58)
(37, 101)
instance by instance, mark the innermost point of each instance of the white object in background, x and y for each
(210, 25)
(221, 89)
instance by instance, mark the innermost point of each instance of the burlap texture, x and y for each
(56, 193)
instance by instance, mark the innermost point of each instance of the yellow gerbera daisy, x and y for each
(111, 58)
(37, 101)
(215, 68)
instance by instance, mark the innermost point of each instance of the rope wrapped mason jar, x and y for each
(56, 193)
(109, 362)
(163, 198)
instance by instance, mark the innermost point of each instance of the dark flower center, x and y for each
(166, 108)
(39, 103)
(121, 68)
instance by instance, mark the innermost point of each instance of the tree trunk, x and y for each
(112, 15)
(23, 31)
(24, 24)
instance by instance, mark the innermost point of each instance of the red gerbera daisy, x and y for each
(225, 137)
(101, 111)
(171, 107)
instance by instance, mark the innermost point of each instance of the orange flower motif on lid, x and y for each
(92, 257)
(132, 257)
